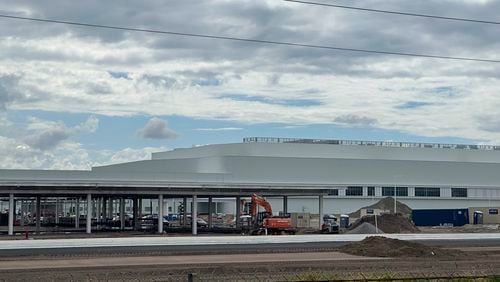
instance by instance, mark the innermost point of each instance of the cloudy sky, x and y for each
(73, 97)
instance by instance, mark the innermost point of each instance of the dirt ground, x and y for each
(265, 271)
(396, 260)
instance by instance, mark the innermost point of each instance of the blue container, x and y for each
(437, 217)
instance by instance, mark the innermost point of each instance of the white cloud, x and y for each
(45, 135)
(66, 69)
(157, 128)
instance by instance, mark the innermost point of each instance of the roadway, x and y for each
(224, 244)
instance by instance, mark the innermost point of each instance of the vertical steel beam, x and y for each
(77, 213)
(285, 204)
(160, 213)
(210, 212)
(11, 214)
(194, 216)
(38, 210)
(135, 212)
(140, 206)
(122, 213)
(89, 213)
(184, 216)
(104, 211)
(21, 221)
(57, 211)
(238, 212)
(110, 208)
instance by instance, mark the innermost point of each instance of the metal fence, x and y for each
(329, 276)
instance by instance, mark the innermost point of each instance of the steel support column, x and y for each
(160, 213)
(210, 212)
(77, 213)
(104, 210)
(184, 216)
(110, 209)
(11, 214)
(238, 212)
(23, 206)
(89, 213)
(285, 204)
(320, 211)
(122, 213)
(38, 210)
(57, 211)
(135, 211)
(194, 216)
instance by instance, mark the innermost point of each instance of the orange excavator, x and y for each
(265, 222)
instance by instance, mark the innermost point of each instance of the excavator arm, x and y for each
(260, 201)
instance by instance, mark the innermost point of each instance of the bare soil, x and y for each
(389, 223)
(386, 270)
(377, 246)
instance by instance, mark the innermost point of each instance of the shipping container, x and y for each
(437, 217)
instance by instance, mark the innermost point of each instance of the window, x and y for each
(371, 191)
(333, 192)
(459, 192)
(400, 191)
(388, 191)
(354, 191)
(493, 211)
(427, 192)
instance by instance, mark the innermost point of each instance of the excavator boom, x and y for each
(260, 201)
(274, 224)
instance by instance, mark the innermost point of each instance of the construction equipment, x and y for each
(330, 224)
(265, 222)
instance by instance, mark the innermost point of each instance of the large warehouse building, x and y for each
(299, 175)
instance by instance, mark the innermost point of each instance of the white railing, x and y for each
(368, 143)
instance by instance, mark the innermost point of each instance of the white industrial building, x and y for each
(298, 175)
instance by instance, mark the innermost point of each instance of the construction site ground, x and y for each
(287, 264)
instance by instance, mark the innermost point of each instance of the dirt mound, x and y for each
(388, 223)
(377, 246)
(386, 204)
(364, 228)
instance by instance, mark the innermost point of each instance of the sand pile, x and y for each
(386, 204)
(377, 246)
(388, 223)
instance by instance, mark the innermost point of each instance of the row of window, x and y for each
(401, 191)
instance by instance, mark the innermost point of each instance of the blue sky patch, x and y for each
(413, 105)
(206, 82)
(119, 74)
(265, 100)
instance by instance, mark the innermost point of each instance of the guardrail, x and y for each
(368, 143)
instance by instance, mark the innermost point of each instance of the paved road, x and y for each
(177, 260)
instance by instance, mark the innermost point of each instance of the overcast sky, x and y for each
(73, 97)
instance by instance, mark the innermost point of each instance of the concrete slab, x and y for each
(225, 240)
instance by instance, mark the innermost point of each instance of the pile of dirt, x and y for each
(388, 223)
(386, 204)
(377, 246)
